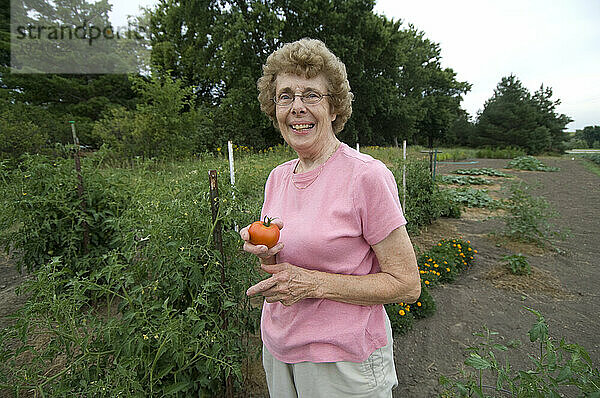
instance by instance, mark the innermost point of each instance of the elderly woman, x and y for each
(343, 250)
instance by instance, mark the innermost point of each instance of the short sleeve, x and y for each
(377, 203)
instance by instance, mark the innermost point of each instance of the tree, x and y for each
(591, 135)
(461, 132)
(547, 117)
(63, 97)
(512, 118)
(166, 123)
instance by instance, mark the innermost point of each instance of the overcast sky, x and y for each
(556, 43)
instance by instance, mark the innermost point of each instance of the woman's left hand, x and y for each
(288, 284)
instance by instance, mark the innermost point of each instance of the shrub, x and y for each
(526, 217)
(420, 209)
(166, 123)
(517, 264)
(529, 163)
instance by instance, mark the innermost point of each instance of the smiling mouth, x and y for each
(302, 127)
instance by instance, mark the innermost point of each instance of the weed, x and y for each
(517, 264)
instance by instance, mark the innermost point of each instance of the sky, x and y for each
(554, 43)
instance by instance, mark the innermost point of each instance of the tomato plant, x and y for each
(264, 233)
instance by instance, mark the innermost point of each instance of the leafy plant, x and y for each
(558, 364)
(401, 318)
(445, 260)
(526, 217)
(517, 264)
(471, 197)
(529, 163)
(482, 171)
(464, 180)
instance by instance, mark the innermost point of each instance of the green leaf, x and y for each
(176, 387)
(564, 374)
(539, 330)
(477, 362)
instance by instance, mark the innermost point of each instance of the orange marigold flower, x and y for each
(401, 312)
(448, 269)
(419, 304)
(474, 251)
(427, 282)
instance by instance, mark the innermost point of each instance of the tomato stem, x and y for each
(268, 220)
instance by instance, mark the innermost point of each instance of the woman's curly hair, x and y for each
(307, 58)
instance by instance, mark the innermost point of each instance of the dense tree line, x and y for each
(201, 90)
(513, 117)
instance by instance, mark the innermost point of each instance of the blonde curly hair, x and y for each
(307, 58)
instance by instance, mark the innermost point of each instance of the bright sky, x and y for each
(555, 43)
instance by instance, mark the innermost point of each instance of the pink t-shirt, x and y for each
(348, 204)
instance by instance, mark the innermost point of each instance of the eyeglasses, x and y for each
(309, 97)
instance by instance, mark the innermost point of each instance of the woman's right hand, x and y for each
(266, 255)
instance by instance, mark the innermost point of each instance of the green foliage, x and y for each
(401, 318)
(594, 157)
(440, 264)
(517, 264)
(558, 364)
(590, 135)
(425, 305)
(529, 163)
(140, 315)
(471, 197)
(41, 215)
(463, 180)
(513, 117)
(166, 123)
(526, 217)
(500, 153)
(482, 171)
(445, 261)
(18, 133)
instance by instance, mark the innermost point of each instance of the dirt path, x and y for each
(568, 296)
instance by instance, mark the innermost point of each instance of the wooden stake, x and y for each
(86, 228)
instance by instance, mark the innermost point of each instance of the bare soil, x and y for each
(563, 285)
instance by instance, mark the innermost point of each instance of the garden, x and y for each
(128, 294)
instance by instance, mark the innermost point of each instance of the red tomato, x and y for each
(264, 233)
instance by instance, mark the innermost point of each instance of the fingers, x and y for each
(262, 286)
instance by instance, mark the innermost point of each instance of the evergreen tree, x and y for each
(510, 118)
(555, 123)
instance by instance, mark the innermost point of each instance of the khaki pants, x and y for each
(373, 378)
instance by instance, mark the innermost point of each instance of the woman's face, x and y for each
(306, 128)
